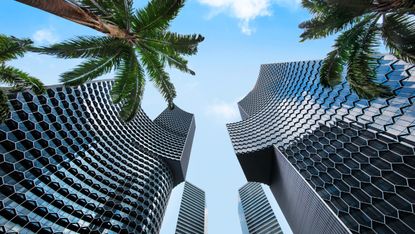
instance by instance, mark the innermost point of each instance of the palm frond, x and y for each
(398, 31)
(178, 62)
(330, 17)
(91, 69)
(156, 15)
(158, 76)
(20, 80)
(129, 87)
(4, 107)
(315, 7)
(12, 47)
(361, 72)
(84, 47)
(183, 44)
(332, 68)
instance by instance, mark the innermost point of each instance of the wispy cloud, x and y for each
(45, 36)
(223, 111)
(246, 10)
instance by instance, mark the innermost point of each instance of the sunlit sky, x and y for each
(240, 36)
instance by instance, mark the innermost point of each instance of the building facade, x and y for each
(193, 213)
(335, 163)
(255, 212)
(68, 164)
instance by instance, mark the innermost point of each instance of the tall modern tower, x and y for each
(68, 164)
(193, 214)
(255, 212)
(335, 163)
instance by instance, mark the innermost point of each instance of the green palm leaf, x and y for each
(157, 15)
(158, 76)
(399, 36)
(331, 17)
(20, 80)
(361, 72)
(12, 48)
(360, 27)
(129, 87)
(91, 69)
(84, 47)
(332, 68)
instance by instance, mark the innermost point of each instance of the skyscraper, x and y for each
(69, 164)
(335, 163)
(193, 214)
(255, 212)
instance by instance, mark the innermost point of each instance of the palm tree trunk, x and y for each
(77, 14)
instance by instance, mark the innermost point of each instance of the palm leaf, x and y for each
(177, 62)
(398, 31)
(12, 48)
(361, 72)
(91, 69)
(331, 17)
(129, 87)
(20, 80)
(158, 76)
(84, 47)
(156, 15)
(183, 44)
(332, 67)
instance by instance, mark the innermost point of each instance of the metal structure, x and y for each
(193, 213)
(335, 163)
(256, 214)
(68, 164)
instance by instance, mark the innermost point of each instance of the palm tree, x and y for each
(362, 24)
(136, 42)
(12, 48)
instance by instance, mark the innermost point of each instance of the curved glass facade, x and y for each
(68, 164)
(357, 155)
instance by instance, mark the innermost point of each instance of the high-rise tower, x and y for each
(193, 213)
(256, 214)
(335, 163)
(69, 164)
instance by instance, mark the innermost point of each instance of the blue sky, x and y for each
(240, 36)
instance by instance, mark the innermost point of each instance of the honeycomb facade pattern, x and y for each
(358, 155)
(193, 213)
(68, 165)
(256, 214)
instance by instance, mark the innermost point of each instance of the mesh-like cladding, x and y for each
(357, 154)
(68, 164)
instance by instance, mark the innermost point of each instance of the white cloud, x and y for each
(45, 36)
(223, 111)
(246, 10)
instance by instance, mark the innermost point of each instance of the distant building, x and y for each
(193, 214)
(68, 164)
(255, 212)
(334, 162)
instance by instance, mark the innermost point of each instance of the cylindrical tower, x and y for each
(69, 164)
